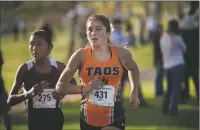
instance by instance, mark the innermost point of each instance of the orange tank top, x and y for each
(97, 107)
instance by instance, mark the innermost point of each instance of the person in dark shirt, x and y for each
(4, 108)
(131, 37)
(38, 78)
(158, 60)
(15, 31)
(190, 33)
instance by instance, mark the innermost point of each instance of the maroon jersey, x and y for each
(44, 105)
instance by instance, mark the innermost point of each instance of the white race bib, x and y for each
(45, 99)
(103, 97)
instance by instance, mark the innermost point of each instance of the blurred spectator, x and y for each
(82, 13)
(142, 39)
(151, 24)
(4, 108)
(172, 48)
(15, 31)
(131, 37)
(158, 60)
(118, 10)
(23, 28)
(190, 32)
(117, 37)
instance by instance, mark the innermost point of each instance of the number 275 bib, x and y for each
(45, 99)
(103, 97)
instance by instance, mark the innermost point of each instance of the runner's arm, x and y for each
(133, 70)
(14, 96)
(63, 85)
(61, 68)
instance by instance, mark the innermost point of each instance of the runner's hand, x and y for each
(93, 85)
(57, 96)
(135, 101)
(35, 90)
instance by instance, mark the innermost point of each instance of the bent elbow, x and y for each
(60, 89)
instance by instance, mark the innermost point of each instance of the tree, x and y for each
(180, 9)
(73, 17)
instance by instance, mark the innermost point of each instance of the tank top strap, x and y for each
(29, 64)
(113, 51)
(88, 53)
(54, 63)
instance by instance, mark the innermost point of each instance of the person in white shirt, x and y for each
(172, 48)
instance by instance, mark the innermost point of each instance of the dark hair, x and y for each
(103, 19)
(44, 34)
(173, 27)
(116, 21)
(47, 27)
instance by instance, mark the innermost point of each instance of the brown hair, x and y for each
(173, 27)
(104, 20)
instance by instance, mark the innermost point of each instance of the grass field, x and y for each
(147, 118)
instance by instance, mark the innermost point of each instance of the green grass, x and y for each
(143, 55)
(147, 118)
(143, 118)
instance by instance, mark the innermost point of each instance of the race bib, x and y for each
(45, 99)
(103, 97)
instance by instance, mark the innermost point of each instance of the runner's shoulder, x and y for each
(79, 54)
(122, 52)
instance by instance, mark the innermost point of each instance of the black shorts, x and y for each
(45, 127)
(46, 123)
(119, 119)
(40, 126)
(119, 123)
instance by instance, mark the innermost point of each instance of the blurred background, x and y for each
(143, 24)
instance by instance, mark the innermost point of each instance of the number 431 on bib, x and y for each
(103, 97)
